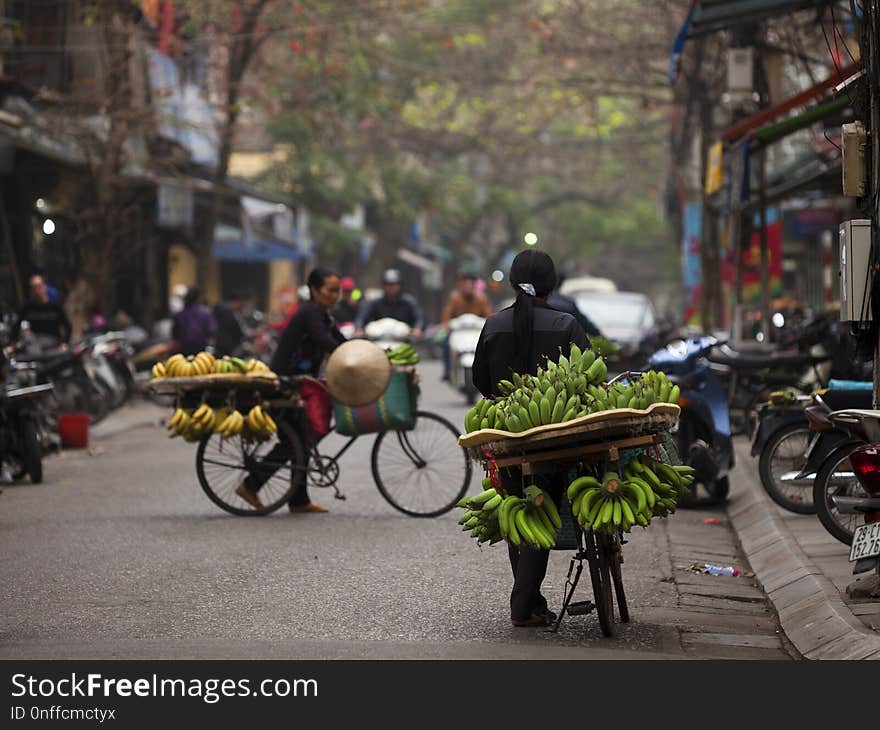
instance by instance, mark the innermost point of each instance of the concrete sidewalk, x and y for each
(803, 570)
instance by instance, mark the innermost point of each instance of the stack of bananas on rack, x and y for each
(192, 425)
(260, 425)
(178, 366)
(204, 364)
(567, 389)
(648, 489)
(532, 519)
(257, 367)
(403, 355)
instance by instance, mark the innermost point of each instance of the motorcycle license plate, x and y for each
(866, 542)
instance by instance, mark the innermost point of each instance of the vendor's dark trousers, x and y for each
(529, 565)
(277, 457)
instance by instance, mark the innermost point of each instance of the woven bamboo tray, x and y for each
(171, 386)
(657, 418)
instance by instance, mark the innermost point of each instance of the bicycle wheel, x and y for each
(615, 558)
(600, 577)
(836, 478)
(783, 456)
(422, 472)
(222, 463)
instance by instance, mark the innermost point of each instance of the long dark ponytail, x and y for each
(532, 274)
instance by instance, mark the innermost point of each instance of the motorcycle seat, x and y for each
(47, 360)
(841, 400)
(760, 360)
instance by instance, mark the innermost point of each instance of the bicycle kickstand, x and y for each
(570, 585)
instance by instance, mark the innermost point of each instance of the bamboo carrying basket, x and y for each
(268, 384)
(610, 425)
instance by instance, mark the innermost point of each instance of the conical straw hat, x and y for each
(358, 372)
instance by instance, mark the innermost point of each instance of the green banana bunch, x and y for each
(532, 519)
(570, 387)
(403, 355)
(481, 514)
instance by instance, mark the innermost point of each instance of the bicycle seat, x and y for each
(726, 355)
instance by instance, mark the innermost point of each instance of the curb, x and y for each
(813, 615)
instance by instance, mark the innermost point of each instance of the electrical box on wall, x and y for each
(854, 170)
(856, 277)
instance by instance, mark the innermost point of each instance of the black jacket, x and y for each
(495, 349)
(44, 319)
(564, 303)
(229, 331)
(404, 309)
(309, 336)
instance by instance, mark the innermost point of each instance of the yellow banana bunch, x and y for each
(179, 423)
(258, 367)
(231, 425)
(178, 366)
(260, 424)
(158, 370)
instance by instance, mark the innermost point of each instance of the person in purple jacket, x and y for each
(194, 325)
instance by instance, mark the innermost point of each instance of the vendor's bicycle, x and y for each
(420, 471)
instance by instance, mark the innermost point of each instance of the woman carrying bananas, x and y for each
(306, 341)
(518, 339)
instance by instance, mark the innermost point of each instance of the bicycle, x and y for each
(421, 471)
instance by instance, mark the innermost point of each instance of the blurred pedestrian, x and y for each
(194, 325)
(44, 317)
(230, 333)
(346, 309)
(394, 304)
(465, 299)
(564, 303)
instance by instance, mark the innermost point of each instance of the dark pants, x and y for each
(529, 565)
(278, 456)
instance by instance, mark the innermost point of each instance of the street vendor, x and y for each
(519, 339)
(310, 335)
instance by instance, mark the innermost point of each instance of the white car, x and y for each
(585, 284)
(626, 318)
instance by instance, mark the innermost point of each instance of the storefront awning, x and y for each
(254, 252)
(231, 244)
(711, 16)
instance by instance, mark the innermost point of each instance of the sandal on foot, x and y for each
(310, 507)
(249, 496)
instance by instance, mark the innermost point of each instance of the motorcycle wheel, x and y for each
(832, 479)
(690, 429)
(785, 451)
(31, 451)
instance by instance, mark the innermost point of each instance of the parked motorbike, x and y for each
(72, 373)
(111, 357)
(795, 434)
(20, 449)
(804, 361)
(865, 546)
(837, 478)
(703, 436)
(464, 333)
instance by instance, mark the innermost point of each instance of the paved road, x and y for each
(120, 554)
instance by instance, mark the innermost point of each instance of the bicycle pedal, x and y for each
(580, 608)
